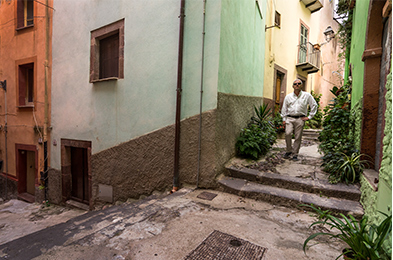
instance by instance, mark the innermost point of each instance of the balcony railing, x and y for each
(309, 58)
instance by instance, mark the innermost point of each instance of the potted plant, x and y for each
(364, 241)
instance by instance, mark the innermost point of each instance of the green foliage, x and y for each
(316, 121)
(263, 113)
(365, 241)
(278, 124)
(335, 137)
(345, 26)
(350, 168)
(258, 137)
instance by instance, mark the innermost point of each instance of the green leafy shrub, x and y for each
(258, 137)
(349, 168)
(316, 121)
(278, 124)
(336, 140)
(364, 240)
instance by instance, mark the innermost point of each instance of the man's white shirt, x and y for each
(297, 105)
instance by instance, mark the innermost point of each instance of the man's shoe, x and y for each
(294, 158)
(286, 155)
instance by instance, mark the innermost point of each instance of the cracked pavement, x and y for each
(169, 228)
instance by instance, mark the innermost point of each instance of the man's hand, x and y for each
(305, 118)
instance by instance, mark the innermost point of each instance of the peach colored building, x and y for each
(296, 47)
(25, 69)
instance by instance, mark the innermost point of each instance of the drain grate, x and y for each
(222, 246)
(206, 195)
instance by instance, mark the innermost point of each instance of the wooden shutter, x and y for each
(30, 83)
(22, 86)
(20, 13)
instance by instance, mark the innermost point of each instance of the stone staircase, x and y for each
(311, 134)
(291, 191)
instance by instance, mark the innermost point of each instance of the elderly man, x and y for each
(294, 115)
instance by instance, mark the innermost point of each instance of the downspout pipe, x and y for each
(201, 96)
(46, 112)
(176, 182)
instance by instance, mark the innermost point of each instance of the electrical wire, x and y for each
(37, 127)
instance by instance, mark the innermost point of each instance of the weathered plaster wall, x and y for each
(242, 47)
(145, 164)
(18, 47)
(360, 13)
(233, 114)
(356, 114)
(381, 200)
(112, 112)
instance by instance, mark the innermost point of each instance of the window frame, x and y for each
(277, 19)
(22, 16)
(20, 65)
(96, 36)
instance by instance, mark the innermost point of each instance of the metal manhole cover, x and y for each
(222, 246)
(206, 195)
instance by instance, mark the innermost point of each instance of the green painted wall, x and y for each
(360, 14)
(192, 56)
(242, 48)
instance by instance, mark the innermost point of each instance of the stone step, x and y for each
(289, 198)
(319, 187)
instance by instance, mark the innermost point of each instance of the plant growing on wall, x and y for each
(259, 135)
(345, 14)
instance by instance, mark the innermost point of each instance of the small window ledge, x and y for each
(24, 27)
(372, 177)
(26, 106)
(106, 79)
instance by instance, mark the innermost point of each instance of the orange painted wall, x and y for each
(19, 47)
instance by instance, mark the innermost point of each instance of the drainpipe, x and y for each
(201, 97)
(178, 99)
(4, 87)
(46, 98)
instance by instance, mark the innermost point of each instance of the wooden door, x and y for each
(79, 174)
(30, 172)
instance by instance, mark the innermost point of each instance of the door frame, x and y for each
(283, 89)
(66, 174)
(20, 178)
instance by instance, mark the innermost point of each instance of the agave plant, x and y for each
(364, 240)
(350, 167)
(263, 113)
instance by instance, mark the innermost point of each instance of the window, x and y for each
(303, 43)
(26, 84)
(107, 52)
(277, 19)
(25, 13)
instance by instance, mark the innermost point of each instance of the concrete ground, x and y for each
(168, 228)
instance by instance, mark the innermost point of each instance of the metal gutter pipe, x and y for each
(46, 98)
(178, 99)
(201, 97)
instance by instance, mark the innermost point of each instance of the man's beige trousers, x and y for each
(293, 125)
